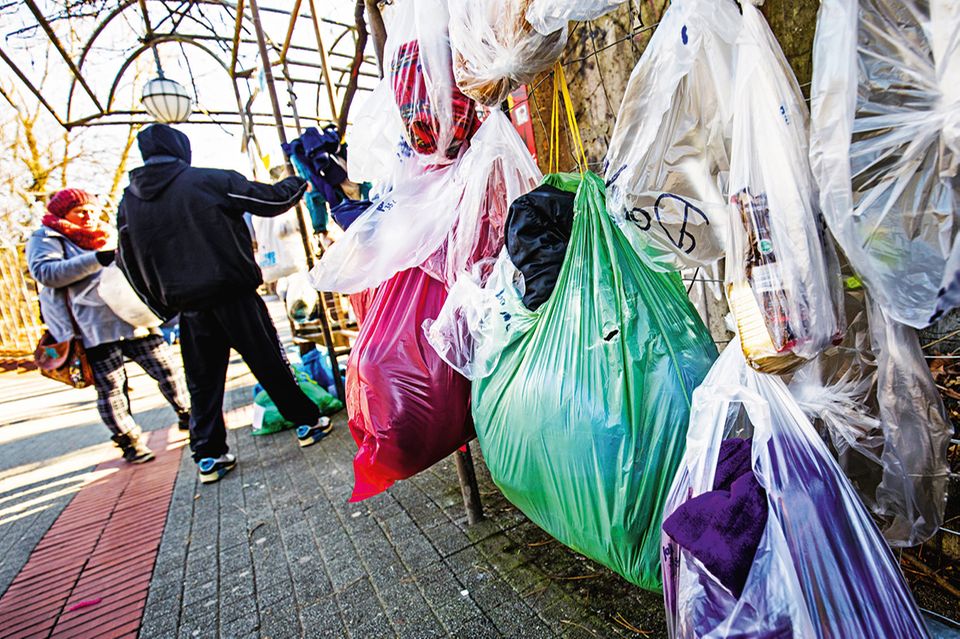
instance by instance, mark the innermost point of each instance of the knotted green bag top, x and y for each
(583, 418)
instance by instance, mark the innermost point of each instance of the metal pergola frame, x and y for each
(243, 12)
(246, 17)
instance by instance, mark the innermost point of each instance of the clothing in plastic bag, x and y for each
(781, 275)
(537, 234)
(267, 418)
(456, 212)
(347, 212)
(279, 246)
(885, 420)
(408, 409)
(822, 569)
(320, 159)
(548, 16)
(885, 146)
(721, 528)
(669, 157)
(495, 49)
(437, 117)
(116, 292)
(582, 419)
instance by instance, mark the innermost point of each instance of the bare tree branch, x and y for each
(378, 30)
(351, 89)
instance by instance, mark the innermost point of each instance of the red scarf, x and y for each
(90, 237)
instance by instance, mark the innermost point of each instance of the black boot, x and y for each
(135, 451)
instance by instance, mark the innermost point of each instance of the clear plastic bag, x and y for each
(821, 569)
(495, 49)
(437, 118)
(885, 146)
(376, 133)
(453, 215)
(279, 246)
(481, 316)
(668, 162)
(782, 278)
(549, 16)
(885, 419)
(301, 300)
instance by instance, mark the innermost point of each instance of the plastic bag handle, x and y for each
(560, 89)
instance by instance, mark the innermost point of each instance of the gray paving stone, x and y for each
(478, 627)
(241, 626)
(514, 619)
(322, 619)
(159, 626)
(280, 620)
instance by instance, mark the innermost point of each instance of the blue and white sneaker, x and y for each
(310, 435)
(213, 469)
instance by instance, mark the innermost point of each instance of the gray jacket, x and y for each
(60, 265)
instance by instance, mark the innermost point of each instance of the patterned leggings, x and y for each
(110, 378)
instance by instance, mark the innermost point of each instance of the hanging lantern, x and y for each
(166, 100)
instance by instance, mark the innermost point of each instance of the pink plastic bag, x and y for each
(361, 302)
(408, 408)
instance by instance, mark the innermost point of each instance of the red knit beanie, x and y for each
(62, 202)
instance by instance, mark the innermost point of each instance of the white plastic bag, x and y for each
(452, 214)
(436, 117)
(374, 137)
(885, 419)
(300, 299)
(495, 49)
(116, 292)
(821, 569)
(279, 246)
(548, 16)
(782, 278)
(885, 145)
(667, 166)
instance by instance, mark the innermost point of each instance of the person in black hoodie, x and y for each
(185, 248)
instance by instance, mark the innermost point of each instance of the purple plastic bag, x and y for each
(822, 568)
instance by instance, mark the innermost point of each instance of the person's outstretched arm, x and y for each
(264, 200)
(49, 265)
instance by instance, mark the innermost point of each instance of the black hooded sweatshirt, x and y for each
(183, 243)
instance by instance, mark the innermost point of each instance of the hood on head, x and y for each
(161, 139)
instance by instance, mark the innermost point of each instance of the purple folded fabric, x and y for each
(722, 528)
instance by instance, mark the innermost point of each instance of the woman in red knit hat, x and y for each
(67, 255)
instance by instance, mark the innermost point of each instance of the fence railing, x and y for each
(20, 326)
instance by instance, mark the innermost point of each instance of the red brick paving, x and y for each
(103, 545)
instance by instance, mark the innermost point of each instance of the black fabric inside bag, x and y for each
(537, 234)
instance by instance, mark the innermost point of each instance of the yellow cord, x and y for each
(560, 89)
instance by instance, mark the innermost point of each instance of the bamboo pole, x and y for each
(275, 102)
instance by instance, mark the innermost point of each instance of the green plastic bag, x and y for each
(583, 419)
(268, 420)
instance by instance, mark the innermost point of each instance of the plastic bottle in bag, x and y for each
(781, 273)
